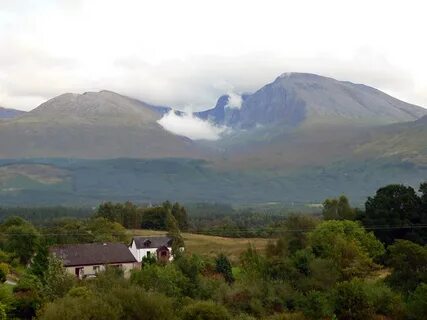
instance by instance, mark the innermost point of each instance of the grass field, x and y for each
(212, 245)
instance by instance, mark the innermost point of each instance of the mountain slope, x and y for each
(295, 98)
(6, 113)
(407, 141)
(92, 125)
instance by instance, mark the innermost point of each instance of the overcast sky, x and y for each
(186, 53)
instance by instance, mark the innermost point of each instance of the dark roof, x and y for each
(162, 248)
(152, 242)
(93, 254)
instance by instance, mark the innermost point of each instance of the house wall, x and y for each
(139, 254)
(90, 271)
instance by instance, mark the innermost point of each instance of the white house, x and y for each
(158, 247)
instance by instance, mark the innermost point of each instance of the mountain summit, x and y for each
(294, 98)
(91, 125)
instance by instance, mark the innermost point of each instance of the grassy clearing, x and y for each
(212, 245)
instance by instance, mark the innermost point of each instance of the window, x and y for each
(148, 254)
(96, 269)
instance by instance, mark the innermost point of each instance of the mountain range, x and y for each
(6, 113)
(301, 138)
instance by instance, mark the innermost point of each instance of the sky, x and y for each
(186, 53)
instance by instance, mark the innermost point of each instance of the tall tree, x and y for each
(40, 262)
(338, 209)
(347, 243)
(175, 234)
(408, 261)
(22, 239)
(392, 212)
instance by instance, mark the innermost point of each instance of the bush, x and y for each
(70, 308)
(4, 271)
(409, 263)
(352, 301)
(136, 304)
(223, 266)
(317, 305)
(205, 310)
(28, 297)
(117, 303)
(168, 279)
(384, 301)
(417, 304)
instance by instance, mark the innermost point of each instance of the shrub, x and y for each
(4, 271)
(205, 310)
(352, 301)
(417, 304)
(317, 305)
(70, 308)
(223, 266)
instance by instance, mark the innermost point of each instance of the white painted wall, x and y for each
(139, 254)
(91, 271)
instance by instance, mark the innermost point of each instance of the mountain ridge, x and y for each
(92, 125)
(104, 146)
(293, 98)
(9, 113)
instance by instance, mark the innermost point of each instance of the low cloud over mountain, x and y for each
(190, 126)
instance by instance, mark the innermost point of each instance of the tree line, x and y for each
(133, 217)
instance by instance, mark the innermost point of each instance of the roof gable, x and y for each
(152, 242)
(93, 254)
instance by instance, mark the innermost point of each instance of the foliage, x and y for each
(70, 308)
(68, 231)
(22, 238)
(132, 217)
(151, 259)
(347, 244)
(117, 302)
(57, 280)
(205, 310)
(384, 300)
(4, 271)
(3, 315)
(168, 279)
(179, 213)
(40, 262)
(393, 210)
(175, 234)
(223, 266)
(127, 214)
(408, 261)
(296, 229)
(313, 270)
(351, 301)
(317, 305)
(338, 209)
(28, 297)
(417, 306)
(41, 215)
(253, 263)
